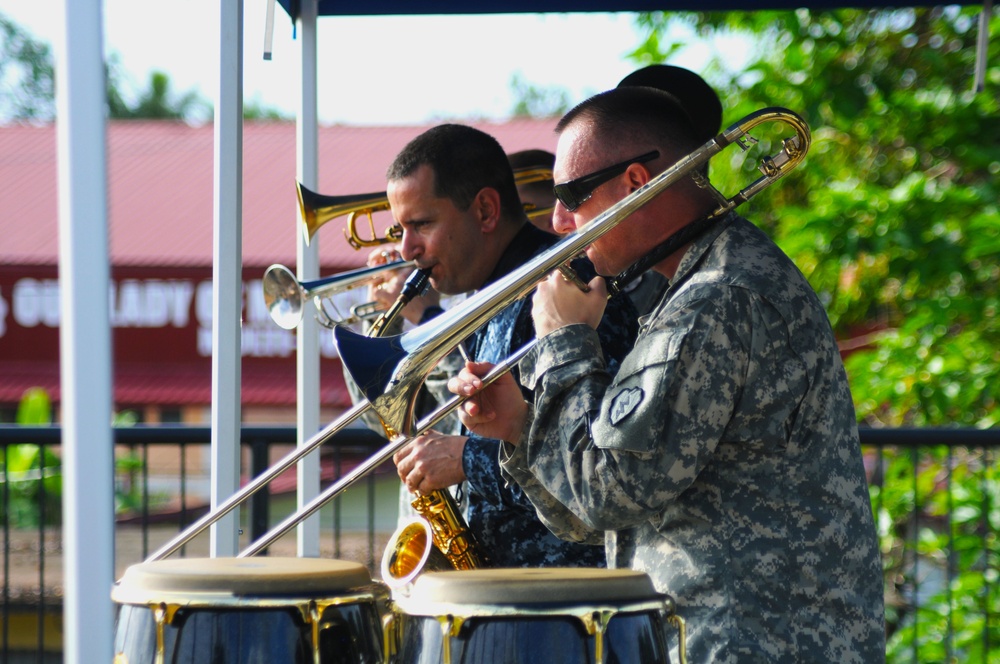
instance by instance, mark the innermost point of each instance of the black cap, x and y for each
(695, 97)
(531, 159)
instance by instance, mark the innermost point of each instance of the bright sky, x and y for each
(372, 70)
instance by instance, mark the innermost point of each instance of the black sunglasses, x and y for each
(576, 192)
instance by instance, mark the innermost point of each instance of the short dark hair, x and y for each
(531, 159)
(464, 161)
(636, 117)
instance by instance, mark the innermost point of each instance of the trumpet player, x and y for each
(722, 458)
(452, 191)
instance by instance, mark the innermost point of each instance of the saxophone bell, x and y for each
(411, 551)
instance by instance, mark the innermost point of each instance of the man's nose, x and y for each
(409, 247)
(562, 220)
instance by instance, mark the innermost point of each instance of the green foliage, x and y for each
(894, 216)
(894, 219)
(536, 102)
(27, 79)
(27, 88)
(944, 500)
(156, 102)
(32, 474)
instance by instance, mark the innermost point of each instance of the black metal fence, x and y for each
(936, 495)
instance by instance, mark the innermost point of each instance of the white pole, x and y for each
(85, 338)
(227, 281)
(307, 344)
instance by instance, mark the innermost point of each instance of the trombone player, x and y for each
(722, 458)
(452, 191)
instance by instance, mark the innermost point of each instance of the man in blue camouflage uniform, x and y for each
(452, 191)
(723, 457)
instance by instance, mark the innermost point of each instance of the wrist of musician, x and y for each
(508, 445)
(573, 348)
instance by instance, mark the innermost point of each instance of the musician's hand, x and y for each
(430, 462)
(498, 411)
(557, 303)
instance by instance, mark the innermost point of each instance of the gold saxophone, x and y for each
(441, 538)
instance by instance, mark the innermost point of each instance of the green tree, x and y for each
(27, 88)
(894, 219)
(535, 102)
(32, 473)
(27, 82)
(156, 102)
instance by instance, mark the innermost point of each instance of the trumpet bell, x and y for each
(317, 209)
(283, 296)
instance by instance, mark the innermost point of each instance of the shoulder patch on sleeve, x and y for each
(624, 403)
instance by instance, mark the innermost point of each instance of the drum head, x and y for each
(522, 616)
(249, 611)
(149, 582)
(524, 587)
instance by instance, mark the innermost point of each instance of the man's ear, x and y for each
(486, 206)
(637, 175)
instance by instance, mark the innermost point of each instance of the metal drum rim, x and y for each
(247, 577)
(530, 586)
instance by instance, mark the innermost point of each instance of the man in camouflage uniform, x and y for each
(452, 191)
(723, 457)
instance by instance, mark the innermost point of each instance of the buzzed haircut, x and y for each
(636, 116)
(464, 161)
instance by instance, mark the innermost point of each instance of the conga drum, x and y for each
(514, 616)
(249, 611)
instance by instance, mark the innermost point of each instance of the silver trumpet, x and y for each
(285, 296)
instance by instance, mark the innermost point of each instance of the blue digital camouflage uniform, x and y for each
(501, 516)
(722, 459)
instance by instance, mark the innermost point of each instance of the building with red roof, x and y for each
(160, 220)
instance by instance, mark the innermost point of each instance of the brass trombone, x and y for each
(317, 209)
(391, 369)
(285, 296)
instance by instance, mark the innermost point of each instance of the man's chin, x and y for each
(601, 264)
(444, 287)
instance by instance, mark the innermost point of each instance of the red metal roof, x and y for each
(161, 178)
(160, 210)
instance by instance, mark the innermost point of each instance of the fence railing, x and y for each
(935, 492)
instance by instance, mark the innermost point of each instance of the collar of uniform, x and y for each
(528, 242)
(699, 247)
